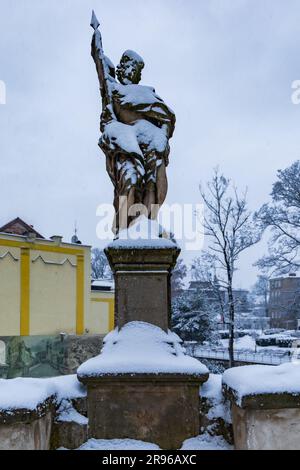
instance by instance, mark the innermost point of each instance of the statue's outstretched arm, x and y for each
(104, 67)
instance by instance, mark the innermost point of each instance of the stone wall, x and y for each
(46, 356)
(273, 429)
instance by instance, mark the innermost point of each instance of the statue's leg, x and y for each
(155, 184)
(161, 184)
(127, 190)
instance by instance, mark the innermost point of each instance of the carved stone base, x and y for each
(163, 409)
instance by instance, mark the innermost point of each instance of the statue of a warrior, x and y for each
(136, 126)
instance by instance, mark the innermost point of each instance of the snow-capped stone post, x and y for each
(143, 385)
(142, 270)
(265, 406)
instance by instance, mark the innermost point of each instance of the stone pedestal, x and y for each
(142, 399)
(25, 429)
(142, 283)
(266, 421)
(163, 409)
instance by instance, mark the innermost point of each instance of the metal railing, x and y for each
(261, 357)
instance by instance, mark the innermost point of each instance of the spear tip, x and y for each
(94, 21)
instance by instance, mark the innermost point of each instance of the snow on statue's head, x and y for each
(129, 70)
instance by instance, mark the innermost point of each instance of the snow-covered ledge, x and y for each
(28, 407)
(142, 386)
(141, 348)
(265, 406)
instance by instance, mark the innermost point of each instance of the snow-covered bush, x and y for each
(193, 318)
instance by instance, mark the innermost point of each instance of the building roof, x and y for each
(286, 276)
(17, 226)
(103, 284)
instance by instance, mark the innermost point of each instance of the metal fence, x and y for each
(261, 357)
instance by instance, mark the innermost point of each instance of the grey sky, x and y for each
(224, 66)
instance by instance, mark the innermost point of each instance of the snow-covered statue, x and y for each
(136, 126)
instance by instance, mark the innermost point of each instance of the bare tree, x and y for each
(178, 276)
(282, 216)
(100, 266)
(231, 230)
(205, 271)
(261, 289)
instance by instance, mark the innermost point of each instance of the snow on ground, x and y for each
(140, 347)
(206, 442)
(212, 391)
(257, 379)
(68, 414)
(28, 393)
(202, 442)
(117, 444)
(248, 343)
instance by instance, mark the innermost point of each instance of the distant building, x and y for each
(210, 291)
(241, 300)
(19, 227)
(284, 301)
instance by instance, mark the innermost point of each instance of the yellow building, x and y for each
(45, 286)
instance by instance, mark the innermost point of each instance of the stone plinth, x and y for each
(25, 429)
(267, 421)
(142, 283)
(143, 386)
(163, 408)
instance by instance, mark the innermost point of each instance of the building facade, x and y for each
(45, 286)
(284, 302)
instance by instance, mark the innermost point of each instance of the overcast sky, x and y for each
(224, 66)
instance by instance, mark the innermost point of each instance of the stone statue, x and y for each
(136, 126)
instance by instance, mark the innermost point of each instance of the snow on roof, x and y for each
(283, 335)
(140, 347)
(29, 393)
(285, 276)
(145, 233)
(257, 379)
(109, 283)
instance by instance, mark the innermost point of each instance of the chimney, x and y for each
(57, 239)
(31, 237)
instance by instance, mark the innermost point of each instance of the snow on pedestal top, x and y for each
(256, 380)
(144, 233)
(141, 348)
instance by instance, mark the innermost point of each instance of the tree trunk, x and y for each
(231, 325)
